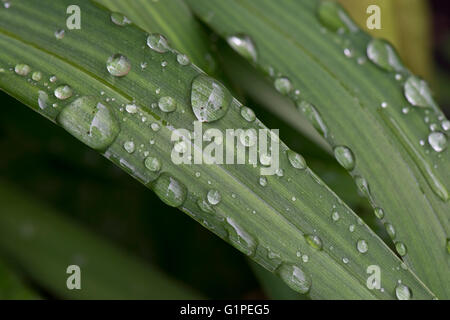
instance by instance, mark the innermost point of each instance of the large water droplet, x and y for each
(296, 160)
(158, 43)
(152, 164)
(334, 17)
(295, 278)
(167, 104)
(118, 65)
(22, 69)
(214, 197)
(418, 93)
(402, 292)
(90, 121)
(119, 19)
(243, 45)
(384, 55)
(240, 238)
(362, 246)
(283, 85)
(345, 157)
(63, 92)
(170, 190)
(438, 141)
(314, 241)
(209, 99)
(401, 248)
(314, 117)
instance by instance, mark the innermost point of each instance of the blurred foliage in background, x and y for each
(76, 183)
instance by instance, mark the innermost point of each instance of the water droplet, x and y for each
(314, 117)
(183, 59)
(209, 99)
(335, 216)
(438, 141)
(36, 76)
(243, 45)
(129, 146)
(402, 292)
(283, 85)
(155, 126)
(240, 238)
(351, 228)
(248, 114)
(314, 241)
(204, 206)
(445, 125)
(379, 213)
(214, 197)
(345, 260)
(119, 19)
(118, 65)
(158, 43)
(90, 121)
(345, 157)
(7, 5)
(167, 104)
(334, 17)
(363, 186)
(401, 248)
(22, 69)
(53, 79)
(384, 55)
(418, 93)
(152, 164)
(131, 108)
(171, 191)
(265, 159)
(362, 246)
(263, 181)
(63, 92)
(296, 160)
(59, 34)
(295, 278)
(42, 99)
(390, 229)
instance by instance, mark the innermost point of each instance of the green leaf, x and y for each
(284, 223)
(364, 109)
(12, 287)
(43, 243)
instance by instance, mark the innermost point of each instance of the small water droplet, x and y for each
(401, 248)
(53, 79)
(131, 108)
(214, 197)
(438, 141)
(204, 206)
(345, 260)
(418, 93)
(63, 92)
(118, 65)
(129, 146)
(295, 278)
(351, 228)
(42, 99)
(240, 238)
(183, 59)
(119, 19)
(90, 121)
(59, 34)
(263, 181)
(155, 126)
(390, 229)
(314, 241)
(158, 43)
(345, 157)
(384, 55)
(36, 76)
(283, 85)
(335, 216)
(171, 191)
(152, 164)
(296, 160)
(248, 114)
(209, 99)
(379, 213)
(445, 125)
(243, 45)
(362, 246)
(167, 104)
(313, 116)
(22, 69)
(402, 292)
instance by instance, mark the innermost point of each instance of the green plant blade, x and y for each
(43, 244)
(12, 286)
(358, 105)
(129, 114)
